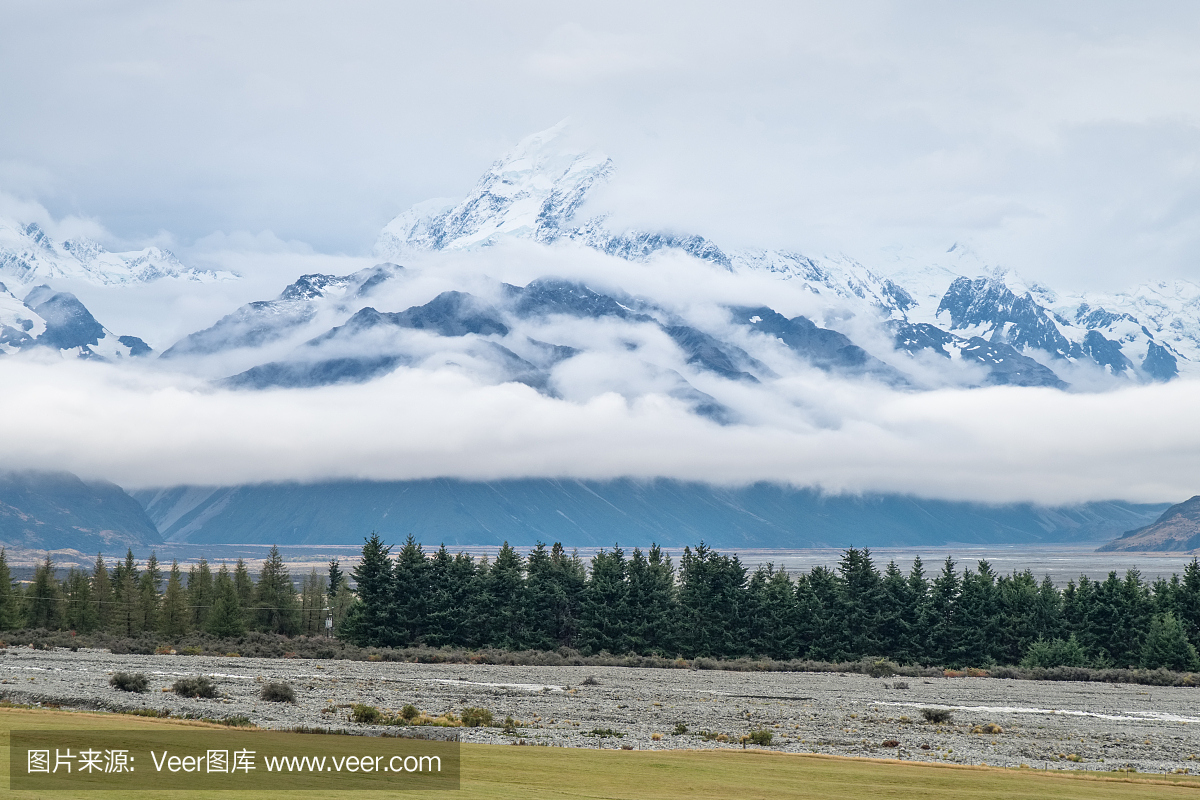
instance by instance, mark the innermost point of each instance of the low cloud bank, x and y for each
(144, 428)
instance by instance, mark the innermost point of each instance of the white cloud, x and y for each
(998, 444)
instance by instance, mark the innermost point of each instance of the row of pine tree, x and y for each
(710, 605)
(135, 600)
(713, 606)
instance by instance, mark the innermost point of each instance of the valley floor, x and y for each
(1046, 725)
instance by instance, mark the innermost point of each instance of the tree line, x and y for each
(712, 605)
(709, 605)
(134, 600)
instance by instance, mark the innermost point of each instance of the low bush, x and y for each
(367, 715)
(762, 738)
(680, 729)
(988, 728)
(129, 682)
(195, 687)
(410, 712)
(590, 680)
(278, 693)
(890, 743)
(476, 717)
(604, 733)
(936, 715)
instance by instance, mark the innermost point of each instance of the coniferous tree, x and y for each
(200, 593)
(312, 604)
(80, 610)
(918, 615)
(896, 619)
(243, 584)
(369, 621)
(1167, 646)
(10, 607)
(102, 594)
(43, 599)
(275, 605)
(148, 595)
(227, 618)
(605, 605)
(504, 594)
(336, 577)
(859, 607)
(1187, 602)
(941, 620)
(175, 618)
(125, 597)
(410, 592)
(545, 597)
(646, 630)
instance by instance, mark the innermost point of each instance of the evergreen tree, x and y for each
(125, 597)
(43, 599)
(276, 609)
(200, 593)
(1167, 646)
(896, 619)
(175, 618)
(336, 577)
(859, 607)
(226, 619)
(243, 584)
(917, 615)
(545, 597)
(941, 621)
(1187, 602)
(410, 592)
(650, 600)
(148, 595)
(977, 618)
(504, 594)
(102, 594)
(605, 610)
(80, 609)
(312, 604)
(10, 607)
(710, 589)
(369, 621)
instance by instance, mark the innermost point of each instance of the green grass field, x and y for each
(498, 772)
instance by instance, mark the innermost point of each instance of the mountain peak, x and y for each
(532, 192)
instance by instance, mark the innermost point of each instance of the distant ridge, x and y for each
(1177, 529)
(600, 513)
(57, 510)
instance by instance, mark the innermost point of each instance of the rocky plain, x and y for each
(998, 722)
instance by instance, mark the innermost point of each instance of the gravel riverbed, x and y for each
(1045, 725)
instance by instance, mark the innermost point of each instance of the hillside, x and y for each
(596, 513)
(1177, 529)
(57, 510)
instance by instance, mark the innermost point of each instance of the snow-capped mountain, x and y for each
(50, 320)
(957, 305)
(28, 256)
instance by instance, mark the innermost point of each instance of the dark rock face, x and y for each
(1159, 363)
(451, 314)
(260, 322)
(68, 323)
(136, 346)
(824, 348)
(1006, 367)
(1018, 321)
(547, 296)
(706, 352)
(307, 374)
(56, 510)
(1106, 352)
(1177, 529)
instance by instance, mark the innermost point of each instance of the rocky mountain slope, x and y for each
(598, 513)
(1177, 529)
(56, 510)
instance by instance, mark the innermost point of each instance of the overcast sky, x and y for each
(1058, 139)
